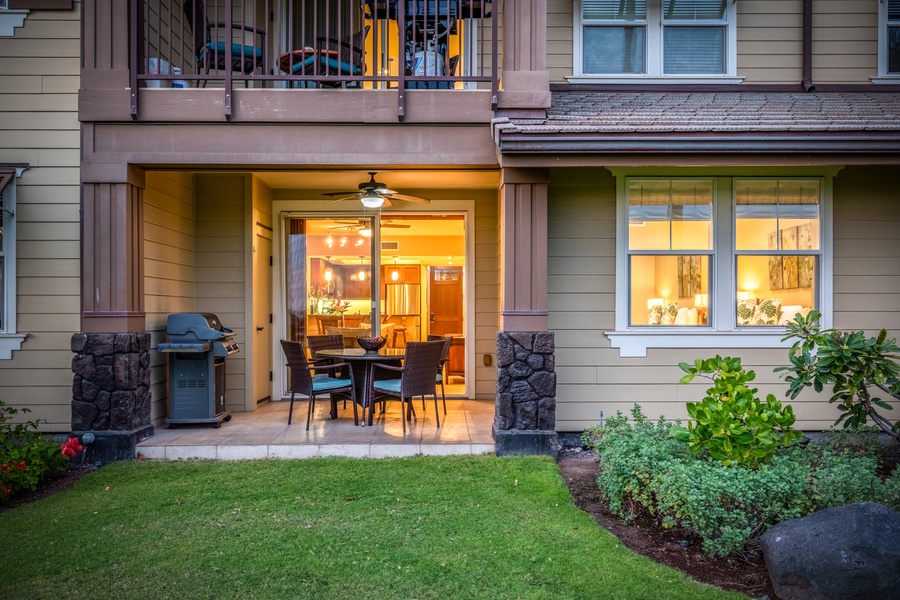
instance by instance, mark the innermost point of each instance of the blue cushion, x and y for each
(391, 386)
(329, 383)
(236, 49)
(439, 378)
(332, 65)
(301, 66)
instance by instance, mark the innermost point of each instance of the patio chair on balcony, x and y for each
(342, 58)
(210, 41)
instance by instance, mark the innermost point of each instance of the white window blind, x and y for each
(614, 10)
(893, 37)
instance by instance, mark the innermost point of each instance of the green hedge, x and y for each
(643, 468)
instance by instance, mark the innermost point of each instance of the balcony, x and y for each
(384, 47)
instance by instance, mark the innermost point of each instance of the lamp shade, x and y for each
(372, 200)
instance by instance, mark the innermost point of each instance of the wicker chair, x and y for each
(417, 378)
(303, 382)
(440, 373)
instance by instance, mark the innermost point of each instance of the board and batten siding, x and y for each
(39, 78)
(769, 41)
(221, 285)
(592, 377)
(169, 268)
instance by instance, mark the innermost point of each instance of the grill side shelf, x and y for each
(176, 347)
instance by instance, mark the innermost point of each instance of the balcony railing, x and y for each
(392, 45)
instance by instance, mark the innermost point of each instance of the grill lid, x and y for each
(195, 327)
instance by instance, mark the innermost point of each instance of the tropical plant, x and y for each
(730, 422)
(852, 363)
(25, 455)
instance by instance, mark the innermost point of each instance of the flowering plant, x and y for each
(25, 455)
(71, 447)
(318, 293)
(339, 306)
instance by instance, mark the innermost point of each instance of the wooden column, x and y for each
(526, 81)
(105, 49)
(112, 251)
(523, 250)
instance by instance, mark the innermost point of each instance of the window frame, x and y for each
(654, 49)
(10, 340)
(883, 23)
(722, 330)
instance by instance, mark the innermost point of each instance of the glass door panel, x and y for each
(328, 278)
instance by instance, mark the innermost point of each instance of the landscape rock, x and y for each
(847, 552)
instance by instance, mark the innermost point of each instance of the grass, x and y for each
(425, 527)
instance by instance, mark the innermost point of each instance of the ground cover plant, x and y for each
(644, 468)
(423, 527)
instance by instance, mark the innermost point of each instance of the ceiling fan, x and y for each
(374, 194)
(363, 225)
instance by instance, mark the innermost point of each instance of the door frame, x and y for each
(284, 209)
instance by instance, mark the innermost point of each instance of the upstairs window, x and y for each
(657, 38)
(889, 38)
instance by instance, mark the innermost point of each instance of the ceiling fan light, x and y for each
(365, 232)
(372, 200)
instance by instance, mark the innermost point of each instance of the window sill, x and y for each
(634, 344)
(10, 342)
(886, 80)
(10, 19)
(644, 79)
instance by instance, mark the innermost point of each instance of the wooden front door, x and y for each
(445, 301)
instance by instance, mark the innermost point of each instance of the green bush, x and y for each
(644, 469)
(731, 423)
(25, 455)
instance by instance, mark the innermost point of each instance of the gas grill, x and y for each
(197, 345)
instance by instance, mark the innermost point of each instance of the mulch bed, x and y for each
(53, 483)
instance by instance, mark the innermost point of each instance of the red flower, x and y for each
(71, 447)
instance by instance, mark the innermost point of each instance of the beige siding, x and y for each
(560, 39)
(169, 266)
(221, 270)
(582, 248)
(867, 250)
(39, 68)
(769, 41)
(487, 291)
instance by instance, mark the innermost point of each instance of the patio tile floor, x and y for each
(264, 433)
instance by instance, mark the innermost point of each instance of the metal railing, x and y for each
(314, 44)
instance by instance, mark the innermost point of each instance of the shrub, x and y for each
(644, 468)
(730, 422)
(854, 365)
(25, 455)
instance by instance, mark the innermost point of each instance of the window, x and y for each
(889, 40)
(718, 261)
(675, 39)
(9, 339)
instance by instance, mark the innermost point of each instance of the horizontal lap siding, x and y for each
(221, 287)
(769, 41)
(169, 267)
(487, 291)
(845, 41)
(592, 377)
(39, 75)
(867, 250)
(560, 37)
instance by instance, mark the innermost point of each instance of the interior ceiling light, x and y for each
(395, 275)
(365, 232)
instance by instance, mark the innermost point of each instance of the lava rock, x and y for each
(847, 552)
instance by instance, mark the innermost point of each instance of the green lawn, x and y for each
(425, 527)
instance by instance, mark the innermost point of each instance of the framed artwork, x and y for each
(790, 275)
(688, 276)
(789, 238)
(805, 275)
(804, 236)
(776, 273)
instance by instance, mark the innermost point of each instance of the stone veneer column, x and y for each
(111, 392)
(525, 412)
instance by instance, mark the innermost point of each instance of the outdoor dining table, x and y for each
(362, 363)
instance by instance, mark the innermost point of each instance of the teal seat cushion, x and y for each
(333, 65)
(237, 50)
(326, 383)
(439, 378)
(300, 67)
(391, 386)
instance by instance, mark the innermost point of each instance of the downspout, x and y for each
(806, 82)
